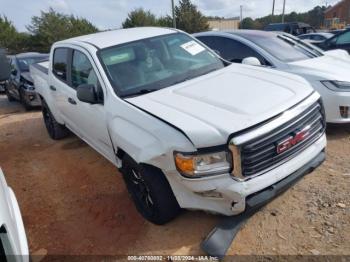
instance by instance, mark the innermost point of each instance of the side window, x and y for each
(312, 37)
(232, 50)
(82, 70)
(344, 38)
(318, 38)
(60, 59)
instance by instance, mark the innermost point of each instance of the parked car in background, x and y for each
(20, 84)
(339, 41)
(13, 240)
(336, 31)
(316, 38)
(327, 73)
(2, 86)
(187, 129)
(293, 28)
(5, 69)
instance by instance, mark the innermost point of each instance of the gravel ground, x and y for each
(73, 201)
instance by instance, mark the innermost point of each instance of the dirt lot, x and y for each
(74, 201)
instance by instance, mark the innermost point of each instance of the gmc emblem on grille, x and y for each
(292, 140)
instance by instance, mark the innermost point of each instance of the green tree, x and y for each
(52, 26)
(140, 17)
(314, 17)
(8, 34)
(247, 23)
(165, 21)
(189, 18)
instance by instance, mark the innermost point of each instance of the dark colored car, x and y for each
(337, 31)
(20, 84)
(4, 69)
(294, 28)
(339, 41)
(316, 37)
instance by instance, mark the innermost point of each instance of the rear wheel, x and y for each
(150, 191)
(56, 131)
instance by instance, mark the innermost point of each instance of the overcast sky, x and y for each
(109, 14)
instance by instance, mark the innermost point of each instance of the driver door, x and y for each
(90, 119)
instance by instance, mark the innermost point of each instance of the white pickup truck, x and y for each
(13, 240)
(187, 129)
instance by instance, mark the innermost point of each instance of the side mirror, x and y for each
(253, 61)
(5, 67)
(87, 93)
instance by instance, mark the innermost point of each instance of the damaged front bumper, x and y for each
(31, 98)
(220, 238)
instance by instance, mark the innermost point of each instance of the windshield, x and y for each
(24, 63)
(285, 48)
(155, 63)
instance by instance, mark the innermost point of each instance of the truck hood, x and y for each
(340, 53)
(327, 67)
(210, 108)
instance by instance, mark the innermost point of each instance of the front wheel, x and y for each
(150, 191)
(56, 131)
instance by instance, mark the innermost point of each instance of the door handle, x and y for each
(72, 101)
(53, 88)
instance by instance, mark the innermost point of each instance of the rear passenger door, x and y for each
(59, 83)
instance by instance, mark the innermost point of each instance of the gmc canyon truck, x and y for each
(187, 129)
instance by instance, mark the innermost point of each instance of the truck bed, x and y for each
(40, 75)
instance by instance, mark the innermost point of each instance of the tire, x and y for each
(150, 191)
(56, 131)
(9, 97)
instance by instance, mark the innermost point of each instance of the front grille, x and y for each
(261, 154)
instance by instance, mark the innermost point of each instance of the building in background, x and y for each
(338, 16)
(224, 24)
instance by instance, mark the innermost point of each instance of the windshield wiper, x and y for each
(192, 77)
(294, 43)
(301, 44)
(140, 92)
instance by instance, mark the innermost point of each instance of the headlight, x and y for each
(197, 165)
(337, 86)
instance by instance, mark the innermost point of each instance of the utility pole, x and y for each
(173, 11)
(284, 9)
(241, 17)
(273, 8)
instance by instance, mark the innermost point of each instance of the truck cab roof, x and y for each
(115, 37)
